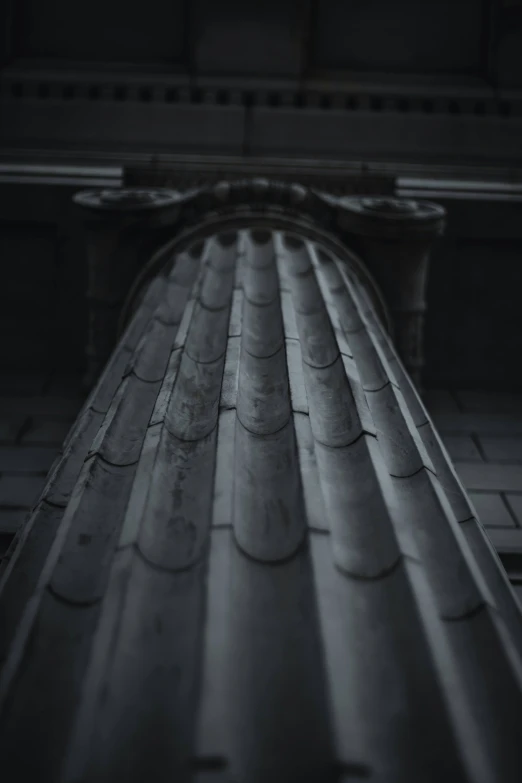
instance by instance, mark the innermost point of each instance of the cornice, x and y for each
(166, 169)
(356, 92)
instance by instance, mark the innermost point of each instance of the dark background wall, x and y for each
(283, 37)
(474, 328)
(43, 309)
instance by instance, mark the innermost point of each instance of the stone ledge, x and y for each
(488, 476)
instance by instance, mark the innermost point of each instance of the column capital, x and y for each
(395, 237)
(391, 218)
(123, 227)
(114, 204)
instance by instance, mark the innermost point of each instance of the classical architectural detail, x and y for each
(123, 226)
(185, 113)
(394, 237)
(254, 561)
(127, 199)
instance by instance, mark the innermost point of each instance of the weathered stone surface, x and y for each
(247, 552)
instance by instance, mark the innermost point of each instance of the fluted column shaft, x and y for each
(255, 561)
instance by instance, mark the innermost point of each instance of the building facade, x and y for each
(254, 559)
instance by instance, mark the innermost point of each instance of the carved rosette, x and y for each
(123, 228)
(395, 237)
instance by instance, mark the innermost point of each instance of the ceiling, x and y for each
(469, 39)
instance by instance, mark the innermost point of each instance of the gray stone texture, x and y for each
(253, 654)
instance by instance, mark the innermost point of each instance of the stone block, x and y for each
(502, 449)
(488, 477)
(20, 491)
(491, 509)
(462, 447)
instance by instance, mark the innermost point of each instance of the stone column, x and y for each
(123, 228)
(396, 237)
(263, 567)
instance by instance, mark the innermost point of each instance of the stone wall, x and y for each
(483, 434)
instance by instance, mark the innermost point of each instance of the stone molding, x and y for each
(382, 229)
(28, 81)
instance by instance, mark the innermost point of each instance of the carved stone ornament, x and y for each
(395, 236)
(407, 229)
(126, 199)
(390, 217)
(123, 228)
